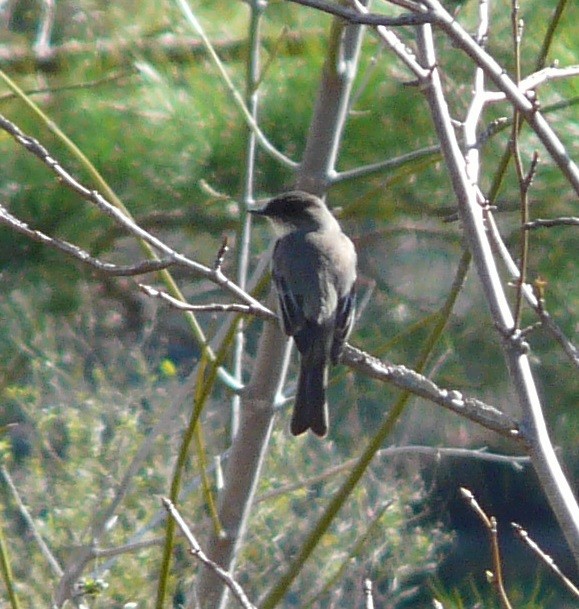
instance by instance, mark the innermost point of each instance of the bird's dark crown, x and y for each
(291, 205)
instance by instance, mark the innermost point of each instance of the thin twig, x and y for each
(212, 308)
(89, 84)
(114, 270)
(6, 571)
(94, 197)
(547, 321)
(490, 523)
(99, 553)
(387, 164)
(550, 222)
(394, 451)
(525, 182)
(196, 551)
(237, 97)
(545, 558)
(516, 32)
(534, 430)
(531, 82)
(44, 549)
(537, 303)
(355, 16)
(553, 24)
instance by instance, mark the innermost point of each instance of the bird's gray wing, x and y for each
(290, 302)
(290, 306)
(345, 315)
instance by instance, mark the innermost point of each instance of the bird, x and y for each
(314, 274)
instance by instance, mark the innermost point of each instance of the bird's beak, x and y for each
(259, 211)
(259, 207)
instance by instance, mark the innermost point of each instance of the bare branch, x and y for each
(392, 451)
(536, 79)
(490, 523)
(116, 77)
(196, 551)
(547, 321)
(387, 164)
(404, 378)
(518, 98)
(535, 300)
(214, 307)
(42, 42)
(368, 598)
(23, 510)
(545, 558)
(354, 16)
(115, 270)
(94, 197)
(550, 222)
(473, 215)
(100, 553)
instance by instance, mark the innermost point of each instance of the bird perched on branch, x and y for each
(314, 271)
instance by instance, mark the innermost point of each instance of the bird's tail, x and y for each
(311, 407)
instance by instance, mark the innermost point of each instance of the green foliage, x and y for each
(370, 537)
(534, 596)
(81, 423)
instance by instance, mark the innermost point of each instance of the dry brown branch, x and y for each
(534, 295)
(490, 523)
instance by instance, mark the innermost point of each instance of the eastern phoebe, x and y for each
(314, 270)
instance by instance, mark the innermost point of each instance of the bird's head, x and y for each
(297, 210)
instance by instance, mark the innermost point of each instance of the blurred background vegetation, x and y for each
(86, 361)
